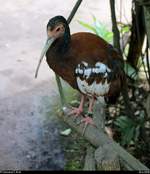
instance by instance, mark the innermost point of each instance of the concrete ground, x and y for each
(29, 139)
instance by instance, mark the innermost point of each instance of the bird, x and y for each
(86, 61)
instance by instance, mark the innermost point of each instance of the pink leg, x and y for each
(79, 110)
(88, 120)
(91, 104)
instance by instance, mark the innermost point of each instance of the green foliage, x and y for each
(129, 129)
(73, 165)
(75, 150)
(99, 29)
(124, 28)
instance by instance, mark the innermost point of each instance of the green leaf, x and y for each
(121, 124)
(99, 29)
(128, 136)
(125, 120)
(127, 129)
(124, 124)
(125, 29)
(88, 26)
(110, 35)
(66, 132)
(94, 18)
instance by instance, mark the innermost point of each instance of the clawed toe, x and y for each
(87, 120)
(75, 112)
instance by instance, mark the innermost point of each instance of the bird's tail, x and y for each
(112, 99)
(117, 65)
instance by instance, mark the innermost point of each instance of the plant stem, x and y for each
(137, 35)
(60, 88)
(148, 63)
(116, 34)
(116, 40)
(74, 10)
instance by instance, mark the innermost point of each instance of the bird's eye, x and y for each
(58, 29)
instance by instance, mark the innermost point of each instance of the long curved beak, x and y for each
(48, 43)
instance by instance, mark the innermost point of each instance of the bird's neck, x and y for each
(62, 44)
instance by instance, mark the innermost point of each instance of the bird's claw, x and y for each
(87, 120)
(76, 112)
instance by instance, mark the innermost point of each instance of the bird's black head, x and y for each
(57, 27)
(57, 31)
(56, 21)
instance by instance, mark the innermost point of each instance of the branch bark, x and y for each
(74, 10)
(116, 40)
(99, 114)
(89, 160)
(107, 159)
(147, 20)
(116, 34)
(137, 35)
(99, 138)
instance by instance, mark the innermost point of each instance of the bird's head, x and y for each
(57, 27)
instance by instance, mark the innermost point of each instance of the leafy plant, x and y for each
(129, 129)
(126, 127)
(123, 28)
(99, 29)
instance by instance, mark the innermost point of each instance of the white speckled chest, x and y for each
(84, 71)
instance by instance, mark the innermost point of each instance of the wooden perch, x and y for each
(107, 158)
(89, 159)
(99, 138)
(99, 114)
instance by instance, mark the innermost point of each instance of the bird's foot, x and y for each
(75, 112)
(87, 120)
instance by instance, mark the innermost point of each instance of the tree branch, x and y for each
(116, 34)
(89, 159)
(74, 10)
(147, 20)
(137, 35)
(99, 138)
(116, 40)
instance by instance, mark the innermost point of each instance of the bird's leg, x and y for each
(79, 110)
(88, 118)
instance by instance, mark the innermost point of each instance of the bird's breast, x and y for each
(93, 80)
